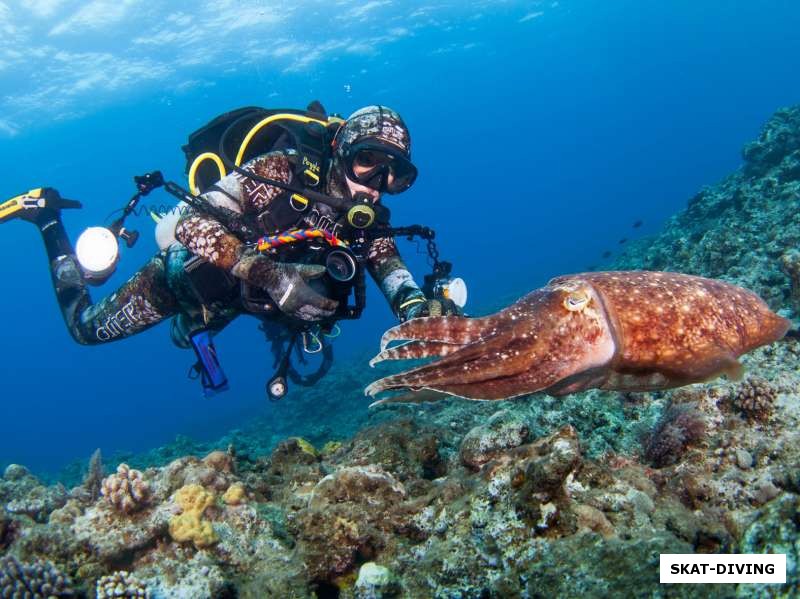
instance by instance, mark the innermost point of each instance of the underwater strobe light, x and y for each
(97, 251)
(455, 290)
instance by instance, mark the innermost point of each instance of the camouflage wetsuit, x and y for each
(160, 289)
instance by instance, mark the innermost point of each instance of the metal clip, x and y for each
(315, 338)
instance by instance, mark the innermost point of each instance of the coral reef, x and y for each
(126, 490)
(37, 580)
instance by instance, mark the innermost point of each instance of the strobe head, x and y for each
(97, 251)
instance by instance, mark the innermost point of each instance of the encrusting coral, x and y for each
(37, 580)
(126, 490)
(190, 526)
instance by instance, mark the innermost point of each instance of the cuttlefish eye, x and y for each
(576, 301)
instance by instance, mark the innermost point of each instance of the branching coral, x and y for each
(121, 585)
(680, 426)
(126, 490)
(754, 398)
(38, 580)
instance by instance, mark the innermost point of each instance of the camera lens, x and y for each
(341, 265)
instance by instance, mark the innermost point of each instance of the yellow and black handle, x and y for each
(35, 199)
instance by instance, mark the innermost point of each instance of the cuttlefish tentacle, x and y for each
(492, 368)
(626, 330)
(471, 363)
(416, 350)
(456, 330)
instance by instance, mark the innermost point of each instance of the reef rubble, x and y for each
(540, 497)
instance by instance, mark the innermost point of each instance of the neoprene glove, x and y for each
(431, 308)
(286, 285)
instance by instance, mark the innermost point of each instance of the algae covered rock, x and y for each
(777, 530)
(403, 447)
(376, 582)
(503, 431)
(353, 513)
(23, 494)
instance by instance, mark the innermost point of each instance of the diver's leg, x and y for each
(139, 304)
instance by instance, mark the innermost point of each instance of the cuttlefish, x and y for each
(620, 330)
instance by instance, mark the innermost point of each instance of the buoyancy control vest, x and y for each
(230, 140)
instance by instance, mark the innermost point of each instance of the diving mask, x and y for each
(371, 163)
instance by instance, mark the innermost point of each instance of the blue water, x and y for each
(542, 131)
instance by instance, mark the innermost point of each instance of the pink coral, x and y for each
(126, 490)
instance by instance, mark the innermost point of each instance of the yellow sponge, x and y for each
(234, 495)
(190, 526)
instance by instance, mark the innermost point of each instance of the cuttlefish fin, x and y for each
(421, 396)
(733, 369)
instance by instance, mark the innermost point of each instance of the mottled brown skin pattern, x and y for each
(625, 330)
(687, 328)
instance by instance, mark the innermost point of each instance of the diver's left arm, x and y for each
(391, 274)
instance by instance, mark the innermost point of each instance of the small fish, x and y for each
(607, 254)
(637, 224)
(623, 240)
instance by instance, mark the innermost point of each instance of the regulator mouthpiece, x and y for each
(97, 251)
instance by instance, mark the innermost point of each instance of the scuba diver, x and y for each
(283, 232)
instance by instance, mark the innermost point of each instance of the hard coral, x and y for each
(38, 580)
(754, 398)
(680, 426)
(121, 584)
(126, 491)
(190, 526)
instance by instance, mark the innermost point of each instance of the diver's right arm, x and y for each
(206, 237)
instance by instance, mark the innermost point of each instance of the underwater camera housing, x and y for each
(343, 275)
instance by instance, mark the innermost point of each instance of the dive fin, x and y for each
(31, 204)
